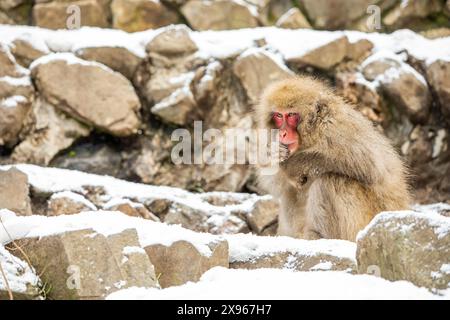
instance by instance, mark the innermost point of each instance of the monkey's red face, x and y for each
(287, 123)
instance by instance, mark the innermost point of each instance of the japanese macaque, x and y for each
(336, 171)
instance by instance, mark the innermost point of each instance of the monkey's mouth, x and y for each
(290, 146)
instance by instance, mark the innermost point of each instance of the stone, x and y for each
(173, 41)
(130, 208)
(58, 14)
(254, 252)
(181, 262)
(218, 15)
(50, 131)
(22, 280)
(25, 52)
(117, 58)
(438, 75)
(138, 15)
(67, 202)
(135, 266)
(14, 192)
(263, 215)
(99, 96)
(359, 50)
(405, 14)
(402, 85)
(13, 112)
(334, 14)
(407, 245)
(178, 108)
(256, 68)
(324, 57)
(83, 264)
(293, 19)
(8, 65)
(92, 157)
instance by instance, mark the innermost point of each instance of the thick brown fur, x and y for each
(344, 172)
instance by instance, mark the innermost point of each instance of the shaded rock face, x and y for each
(138, 15)
(407, 246)
(86, 265)
(181, 262)
(68, 203)
(221, 15)
(14, 192)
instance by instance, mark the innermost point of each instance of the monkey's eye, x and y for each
(277, 118)
(293, 119)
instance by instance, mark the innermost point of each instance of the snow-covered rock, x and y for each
(254, 252)
(408, 245)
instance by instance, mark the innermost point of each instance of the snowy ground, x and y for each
(273, 284)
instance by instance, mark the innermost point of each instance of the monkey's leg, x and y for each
(339, 207)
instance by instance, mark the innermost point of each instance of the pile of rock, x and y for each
(137, 15)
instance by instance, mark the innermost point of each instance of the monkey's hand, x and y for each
(303, 167)
(284, 153)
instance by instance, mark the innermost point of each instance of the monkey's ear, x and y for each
(322, 107)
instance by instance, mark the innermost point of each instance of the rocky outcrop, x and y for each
(408, 245)
(68, 202)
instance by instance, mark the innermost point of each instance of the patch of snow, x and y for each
(75, 197)
(105, 223)
(327, 265)
(247, 247)
(13, 101)
(439, 223)
(438, 144)
(275, 284)
(68, 58)
(18, 273)
(18, 82)
(132, 249)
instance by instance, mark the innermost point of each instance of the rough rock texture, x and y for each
(221, 15)
(408, 246)
(181, 262)
(263, 215)
(68, 203)
(56, 14)
(49, 132)
(99, 96)
(130, 208)
(323, 57)
(438, 74)
(13, 112)
(14, 192)
(83, 264)
(117, 58)
(8, 65)
(25, 52)
(256, 69)
(138, 15)
(293, 19)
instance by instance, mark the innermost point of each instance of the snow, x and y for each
(13, 101)
(222, 44)
(393, 72)
(18, 274)
(75, 197)
(52, 180)
(247, 247)
(275, 284)
(105, 223)
(69, 58)
(18, 82)
(131, 250)
(439, 223)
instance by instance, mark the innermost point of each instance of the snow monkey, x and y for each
(336, 171)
